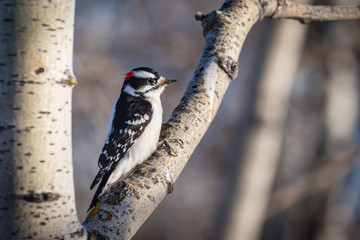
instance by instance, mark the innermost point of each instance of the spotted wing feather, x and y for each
(129, 123)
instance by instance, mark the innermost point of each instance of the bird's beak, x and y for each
(165, 81)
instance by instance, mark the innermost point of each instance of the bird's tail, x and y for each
(99, 189)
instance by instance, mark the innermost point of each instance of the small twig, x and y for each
(308, 13)
(314, 182)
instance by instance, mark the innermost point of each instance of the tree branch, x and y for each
(307, 13)
(123, 208)
(314, 182)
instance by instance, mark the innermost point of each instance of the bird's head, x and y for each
(145, 82)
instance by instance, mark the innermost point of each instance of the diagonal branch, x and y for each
(124, 207)
(314, 182)
(307, 13)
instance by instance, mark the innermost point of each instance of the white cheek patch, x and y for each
(156, 93)
(143, 74)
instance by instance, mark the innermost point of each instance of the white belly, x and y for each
(143, 147)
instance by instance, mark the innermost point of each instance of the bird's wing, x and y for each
(129, 125)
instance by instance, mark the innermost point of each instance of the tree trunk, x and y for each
(35, 120)
(265, 140)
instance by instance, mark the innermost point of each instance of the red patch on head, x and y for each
(129, 75)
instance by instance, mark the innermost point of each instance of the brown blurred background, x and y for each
(280, 159)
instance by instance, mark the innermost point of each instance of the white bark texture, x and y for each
(127, 204)
(37, 192)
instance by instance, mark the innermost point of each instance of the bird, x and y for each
(134, 127)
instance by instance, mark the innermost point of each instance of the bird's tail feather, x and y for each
(99, 189)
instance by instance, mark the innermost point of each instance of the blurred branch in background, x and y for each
(318, 180)
(320, 128)
(308, 13)
(263, 148)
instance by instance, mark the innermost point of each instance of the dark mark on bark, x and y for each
(93, 234)
(22, 82)
(3, 128)
(39, 70)
(60, 20)
(119, 191)
(38, 197)
(28, 129)
(151, 198)
(104, 215)
(77, 233)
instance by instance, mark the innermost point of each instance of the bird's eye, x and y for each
(151, 81)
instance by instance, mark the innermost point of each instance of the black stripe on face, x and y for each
(136, 83)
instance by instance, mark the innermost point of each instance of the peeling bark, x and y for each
(36, 192)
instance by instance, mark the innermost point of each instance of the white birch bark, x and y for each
(37, 192)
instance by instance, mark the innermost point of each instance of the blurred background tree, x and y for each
(314, 191)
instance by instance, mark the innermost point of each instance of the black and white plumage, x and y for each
(134, 127)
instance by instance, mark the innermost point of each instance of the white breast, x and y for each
(143, 146)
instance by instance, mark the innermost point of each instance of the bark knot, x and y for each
(262, 6)
(69, 80)
(208, 21)
(228, 65)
